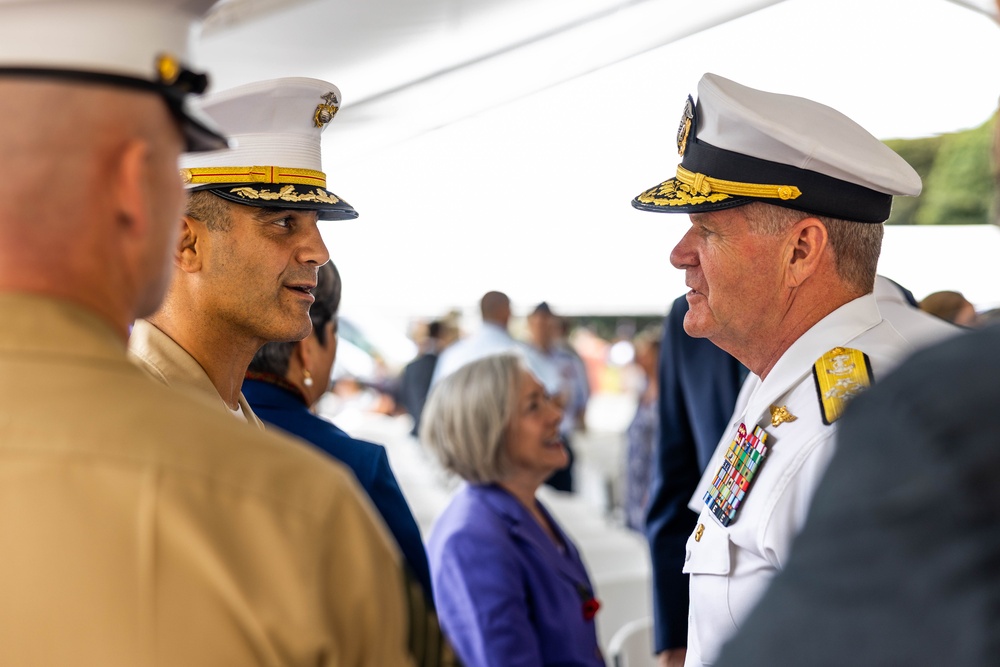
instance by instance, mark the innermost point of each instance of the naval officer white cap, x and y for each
(740, 145)
(138, 44)
(276, 160)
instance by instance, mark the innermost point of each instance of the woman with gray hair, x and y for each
(509, 584)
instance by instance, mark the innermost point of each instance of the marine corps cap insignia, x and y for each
(685, 128)
(325, 112)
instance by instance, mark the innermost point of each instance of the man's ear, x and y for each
(806, 248)
(131, 189)
(191, 244)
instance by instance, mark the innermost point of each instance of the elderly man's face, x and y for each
(734, 276)
(261, 271)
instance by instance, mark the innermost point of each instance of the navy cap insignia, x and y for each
(685, 128)
(840, 374)
(325, 112)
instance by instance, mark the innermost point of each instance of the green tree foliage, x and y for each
(957, 171)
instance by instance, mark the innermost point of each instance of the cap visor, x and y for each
(199, 137)
(672, 196)
(296, 197)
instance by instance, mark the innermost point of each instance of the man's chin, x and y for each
(695, 326)
(290, 334)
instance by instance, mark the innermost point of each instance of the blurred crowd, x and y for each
(625, 365)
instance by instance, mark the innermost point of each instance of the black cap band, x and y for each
(821, 194)
(198, 137)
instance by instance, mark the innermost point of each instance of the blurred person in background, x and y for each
(561, 342)
(896, 303)
(415, 381)
(570, 378)
(492, 337)
(951, 307)
(511, 587)
(642, 431)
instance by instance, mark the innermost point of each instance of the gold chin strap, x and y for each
(256, 174)
(706, 185)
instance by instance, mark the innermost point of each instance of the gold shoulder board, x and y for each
(841, 374)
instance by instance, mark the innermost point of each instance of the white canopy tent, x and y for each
(497, 144)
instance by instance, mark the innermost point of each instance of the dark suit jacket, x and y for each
(899, 559)
(699, 384)
(415, 384)
(282, 408)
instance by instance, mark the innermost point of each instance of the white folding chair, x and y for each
(624, 598)
(632, 645)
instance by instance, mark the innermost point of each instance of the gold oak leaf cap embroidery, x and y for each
(276, 162)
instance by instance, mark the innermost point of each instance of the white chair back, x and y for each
(632, 645)
(624, 598)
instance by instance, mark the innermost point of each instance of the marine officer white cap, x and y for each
(138, 44)
(739, 145)
(276, 161)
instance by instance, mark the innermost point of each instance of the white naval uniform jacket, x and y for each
(731, 566)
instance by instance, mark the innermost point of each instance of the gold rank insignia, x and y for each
(840, 374)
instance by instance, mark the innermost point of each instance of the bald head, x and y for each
(91, 193)
(495, 308)
(60, 139)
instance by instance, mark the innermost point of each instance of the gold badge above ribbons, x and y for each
(780, 415)
(840, 374)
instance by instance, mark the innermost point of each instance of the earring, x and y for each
(307, 380)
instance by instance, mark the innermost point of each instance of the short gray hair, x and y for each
(211, 209)
(466, 417)
(856, 245)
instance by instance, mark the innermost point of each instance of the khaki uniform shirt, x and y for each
(156, 353)
(140, 528)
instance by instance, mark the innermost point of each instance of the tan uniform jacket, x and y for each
(156, 353)
(140, 528)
